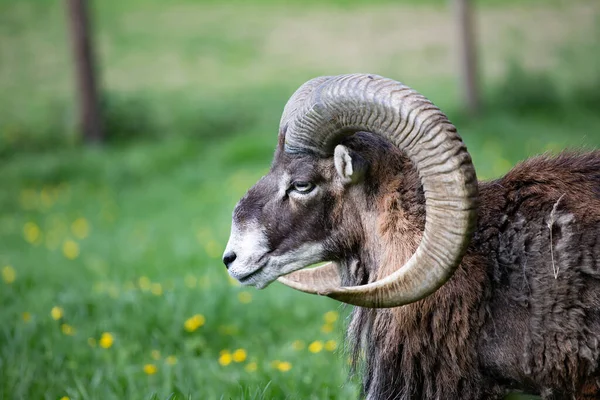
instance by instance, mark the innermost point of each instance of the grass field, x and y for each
(112, 285)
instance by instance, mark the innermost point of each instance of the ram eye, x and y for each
(302, 187)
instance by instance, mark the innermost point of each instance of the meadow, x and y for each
(111, 281)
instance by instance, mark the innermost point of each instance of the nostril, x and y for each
(229, 258)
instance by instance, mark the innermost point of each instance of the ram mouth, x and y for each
(248, 277)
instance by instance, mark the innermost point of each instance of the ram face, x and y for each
(284, 221)
(314, 204)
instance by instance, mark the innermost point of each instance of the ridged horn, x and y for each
(325, 110)
(297, 100)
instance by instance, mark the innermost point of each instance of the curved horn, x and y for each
(314, 280)
(339, 106)
(297, 100)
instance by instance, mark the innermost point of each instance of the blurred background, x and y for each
(110, 238)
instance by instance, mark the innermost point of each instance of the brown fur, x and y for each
(522, 311)
(483, 333)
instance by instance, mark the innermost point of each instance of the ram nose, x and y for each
(229, 258)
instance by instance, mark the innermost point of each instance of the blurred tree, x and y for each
(468, 55)
(90, 118)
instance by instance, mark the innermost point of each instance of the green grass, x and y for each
(192, 96)
(162, 211)
(157, 212)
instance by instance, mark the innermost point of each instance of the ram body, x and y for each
(463, 289)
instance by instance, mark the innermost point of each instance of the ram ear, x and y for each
(349, 165)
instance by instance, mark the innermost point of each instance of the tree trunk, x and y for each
(90, 118)
(468, 55)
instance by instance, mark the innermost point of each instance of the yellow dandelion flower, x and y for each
(67, 329)
(144, 283)
(56, 313)
(212, 248)
(298, 344)
(80, 228)
(8, 274)
(284, 366)
(194, 322)
(251, 367)
(225, 358)
(65, 398)
(155, 354)
(106, 340)
(150, 369)
(315, 347)
(330, 317)
(327, 328)
(156, 289)
(70, 249)
(171, 360)
(190, 281)
(330, 345)
(32, 232)
(200, 320)
(239, 355)
(26, 316)
(244, 297)
(91, 342)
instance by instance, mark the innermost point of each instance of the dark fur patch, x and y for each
(522, 312)
(505, 320)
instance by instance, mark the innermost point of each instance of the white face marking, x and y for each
(249, 243)
(254, 266)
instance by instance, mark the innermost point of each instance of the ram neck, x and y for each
(396, 230)
(424, 344)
